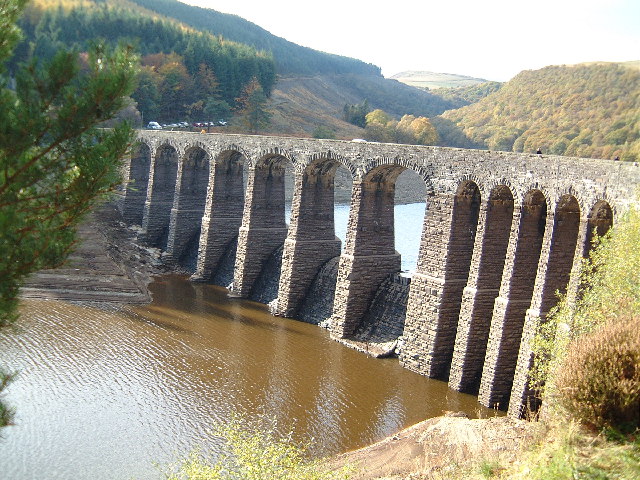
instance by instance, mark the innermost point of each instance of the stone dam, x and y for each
(502, 233)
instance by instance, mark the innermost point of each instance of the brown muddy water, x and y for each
(106, 394)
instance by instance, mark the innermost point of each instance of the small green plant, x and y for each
(489, 469)
(253, 452)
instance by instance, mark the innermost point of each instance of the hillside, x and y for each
(585, 110)
(290, 57)
(301, 104)
(196, 63)
(431, 80)
(336, 77)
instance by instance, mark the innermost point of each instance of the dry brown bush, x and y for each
(599, 382)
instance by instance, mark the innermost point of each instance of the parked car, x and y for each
(154, 126)
(222, 123)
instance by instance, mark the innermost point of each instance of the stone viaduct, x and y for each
(502, 232)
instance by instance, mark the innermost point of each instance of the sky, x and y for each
(490, 39)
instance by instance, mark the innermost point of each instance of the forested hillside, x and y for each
(290, 58)
(185, 73)
(345, 76)
(197, 63)
(587, 110)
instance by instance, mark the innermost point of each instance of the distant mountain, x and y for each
(585, 110)
(433, 80)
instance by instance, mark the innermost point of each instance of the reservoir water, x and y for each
(408, 228)
(106, 393)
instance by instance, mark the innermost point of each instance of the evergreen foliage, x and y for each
(54, 161)
(252, 108)
(583, 110)
(356, 114)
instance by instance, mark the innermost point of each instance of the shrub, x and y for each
(609, 292)
(599, 381)
(253, 452)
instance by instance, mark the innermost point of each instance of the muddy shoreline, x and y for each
(106, 266)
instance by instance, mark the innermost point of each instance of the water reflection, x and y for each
(104, 394)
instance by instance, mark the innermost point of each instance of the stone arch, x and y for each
(137, 183)
(516, 294)
(264, 226)
(564, 239)
(171, 143)
(311, 239)
(394, 163)
(312, 209)
(160, 197)
(188, 208)
(232, 149)
(466, 210)
(333, 158)
(369, 255)
(222, 216)
(371, 217)
(599, 221)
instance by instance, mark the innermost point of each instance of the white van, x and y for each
(154, 126)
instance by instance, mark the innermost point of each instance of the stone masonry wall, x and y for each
(491, 252)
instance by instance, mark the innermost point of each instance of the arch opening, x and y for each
(343, 186)
(599, 222)
(409, 211)
(312, 241)
(566, 225)
(188, 208)
(137, 184)
(161, 197)
(222, 218)
(263, 230)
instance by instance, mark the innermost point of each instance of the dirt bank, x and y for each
(106, 266)
(451, 447)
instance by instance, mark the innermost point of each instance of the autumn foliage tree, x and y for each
(382, 127)
(253, 112)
